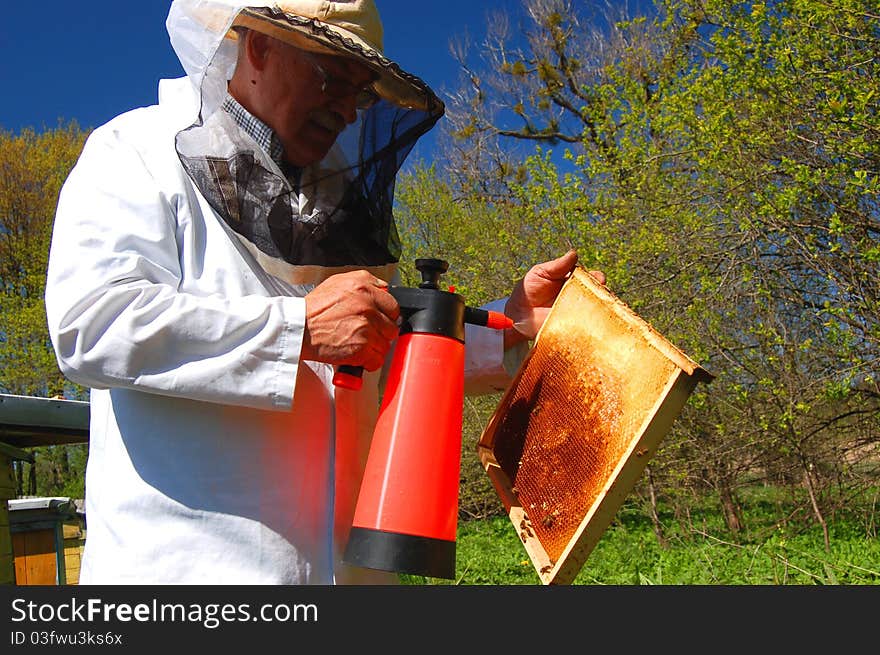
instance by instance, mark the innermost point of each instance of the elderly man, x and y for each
(215, 257)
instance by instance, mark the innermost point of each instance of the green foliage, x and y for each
(32, 169)
(482, 239)
(722, 167)
(700, 549)
(60, 470)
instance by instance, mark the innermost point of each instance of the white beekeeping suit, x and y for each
(178, 269)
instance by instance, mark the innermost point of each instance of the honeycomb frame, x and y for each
(580, 420)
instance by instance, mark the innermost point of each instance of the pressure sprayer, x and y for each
(407, 511)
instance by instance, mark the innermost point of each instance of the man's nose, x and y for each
(346, 107)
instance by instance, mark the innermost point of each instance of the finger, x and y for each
(374, 357)
(387, 304)
(559, 268)
(599, 276)
(363, 280)
(388, 330)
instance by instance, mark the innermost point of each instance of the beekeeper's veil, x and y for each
(339, 211)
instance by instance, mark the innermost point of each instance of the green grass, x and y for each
(700, 551)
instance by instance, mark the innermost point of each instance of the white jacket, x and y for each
(216, 454)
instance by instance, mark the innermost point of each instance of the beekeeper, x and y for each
(215, 256)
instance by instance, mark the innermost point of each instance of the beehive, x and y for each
(575, 429)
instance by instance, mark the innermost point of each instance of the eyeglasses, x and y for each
(338, 87)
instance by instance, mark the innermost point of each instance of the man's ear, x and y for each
(256, 47)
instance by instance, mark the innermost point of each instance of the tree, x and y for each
(32, 169)
(721, 166)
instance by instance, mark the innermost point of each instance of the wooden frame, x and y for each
(575, 429)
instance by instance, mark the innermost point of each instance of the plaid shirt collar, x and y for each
(257, 130)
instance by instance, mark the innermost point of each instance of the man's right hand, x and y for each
(350, 319)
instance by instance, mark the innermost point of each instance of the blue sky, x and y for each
(92, 60)
(88, 62)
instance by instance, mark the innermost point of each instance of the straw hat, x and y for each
(351, 29)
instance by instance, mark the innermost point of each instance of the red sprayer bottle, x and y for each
(407, 510)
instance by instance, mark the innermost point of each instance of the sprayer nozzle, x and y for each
(499, 321)
(493, 320)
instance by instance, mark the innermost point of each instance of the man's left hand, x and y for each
(533, 296)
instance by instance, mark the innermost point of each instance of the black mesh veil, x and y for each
(338, 212)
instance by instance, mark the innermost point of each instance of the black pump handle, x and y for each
(431, 270)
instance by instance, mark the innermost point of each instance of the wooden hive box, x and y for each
(575, 429)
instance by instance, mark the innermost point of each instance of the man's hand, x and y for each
(533, 296)
(350, 319)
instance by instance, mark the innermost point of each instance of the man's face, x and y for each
(307, 117)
